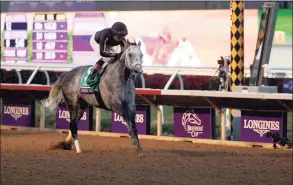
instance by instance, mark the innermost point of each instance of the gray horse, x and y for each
(117, 92)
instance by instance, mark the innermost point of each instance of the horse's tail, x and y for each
(56, 94)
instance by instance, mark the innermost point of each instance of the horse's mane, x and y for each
(127, 44)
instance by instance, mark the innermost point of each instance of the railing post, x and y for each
(42, 116)
(47, 77)
(142, 81)
(159, 115)
(223, 125)
(18, 76)
(159, 122)
(98, 120)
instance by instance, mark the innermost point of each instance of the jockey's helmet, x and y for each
(119, 28)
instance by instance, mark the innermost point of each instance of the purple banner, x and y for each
(81, 43)
(63, 119)
(142, 121)
(287, 85)
(17, 112)
(50, 25)
(50, 46)
(256, 125)
(50, 35)
(50, 55)
(193, 122)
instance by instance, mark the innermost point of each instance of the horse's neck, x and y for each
(117, 73)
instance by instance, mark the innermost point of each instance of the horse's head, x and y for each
(132, 56)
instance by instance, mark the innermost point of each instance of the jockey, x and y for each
(103, 42)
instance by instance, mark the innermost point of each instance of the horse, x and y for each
(117, 92)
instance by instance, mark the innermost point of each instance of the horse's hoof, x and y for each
(67, 147)
(79, 152)
(141, 155)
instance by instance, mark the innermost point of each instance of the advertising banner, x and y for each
(142, 121)
(255, 125)
(63, 119)
(193, 122)
(17, 112)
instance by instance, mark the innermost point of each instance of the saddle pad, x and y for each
(84, 87)
(89, 86)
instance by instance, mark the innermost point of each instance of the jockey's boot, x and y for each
(96, 69)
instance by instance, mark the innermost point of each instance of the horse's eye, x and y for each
(130, 55)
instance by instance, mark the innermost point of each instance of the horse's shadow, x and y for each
(202, 153)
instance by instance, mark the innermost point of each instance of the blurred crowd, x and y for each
(163, 50)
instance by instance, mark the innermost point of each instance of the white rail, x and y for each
(198, 71)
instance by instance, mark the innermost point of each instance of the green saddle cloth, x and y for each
(88, 85)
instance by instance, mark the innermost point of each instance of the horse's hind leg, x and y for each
(69, 138)
(76, 113)
(73, 127)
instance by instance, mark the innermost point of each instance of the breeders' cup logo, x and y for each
(261, 126)
(64, 114)
(138, 118)
(16, 112)
(192, 124)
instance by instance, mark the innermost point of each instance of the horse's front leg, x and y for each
(132, 130)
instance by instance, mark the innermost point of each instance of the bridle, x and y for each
(128, 64)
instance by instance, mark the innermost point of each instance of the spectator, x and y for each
(163, 50)
(184, 55)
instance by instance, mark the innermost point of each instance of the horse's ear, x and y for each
(139, 43)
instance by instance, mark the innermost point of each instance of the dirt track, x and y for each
(28, 159)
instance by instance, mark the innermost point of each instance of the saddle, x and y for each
(91, 85)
